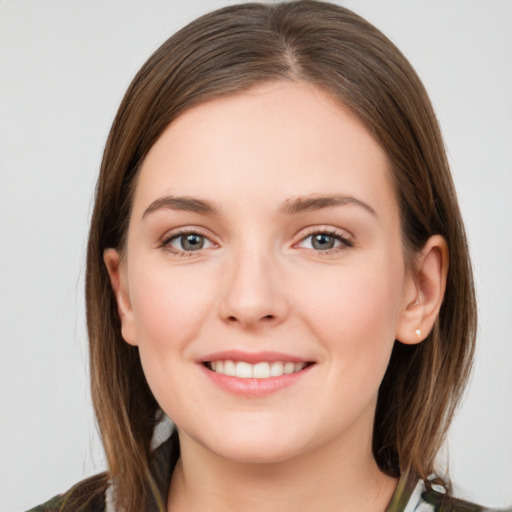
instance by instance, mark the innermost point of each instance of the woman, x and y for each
(277, 263)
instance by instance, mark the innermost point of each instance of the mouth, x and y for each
(260, 370)
(250, 374)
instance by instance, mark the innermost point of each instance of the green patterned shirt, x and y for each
(92, 495)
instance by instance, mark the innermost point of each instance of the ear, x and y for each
(424, 292)
(116, 269)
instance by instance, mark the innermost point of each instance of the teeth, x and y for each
(289, 367)
(276, 369)
(243, 370)
(229, 368)
(262, 370)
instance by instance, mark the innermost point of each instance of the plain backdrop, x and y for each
(64, 66)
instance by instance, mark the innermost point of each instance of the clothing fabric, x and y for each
(95, 493)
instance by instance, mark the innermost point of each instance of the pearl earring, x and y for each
(418, 333)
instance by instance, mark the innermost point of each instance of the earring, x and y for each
(418, 332)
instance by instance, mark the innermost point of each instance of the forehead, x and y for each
(274, 140)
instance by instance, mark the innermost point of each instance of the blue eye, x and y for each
(324, 241)
(189, 242)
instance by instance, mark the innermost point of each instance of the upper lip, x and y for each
(252, 357)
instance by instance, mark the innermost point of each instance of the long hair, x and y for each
(228, 51)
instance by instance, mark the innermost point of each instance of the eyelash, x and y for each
(166, 241)
(338, 235)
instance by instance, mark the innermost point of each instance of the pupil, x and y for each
(192, 242)
(323, 242)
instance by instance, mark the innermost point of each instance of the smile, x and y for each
(254, 374)
(261, 370)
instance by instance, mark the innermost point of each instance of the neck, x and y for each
(330, 478)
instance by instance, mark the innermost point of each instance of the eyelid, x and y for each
(165, 240)
(342, 235)
(345, 238)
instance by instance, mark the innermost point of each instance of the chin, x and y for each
(256, 453)
(248, 446)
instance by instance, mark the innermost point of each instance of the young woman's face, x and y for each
(264, 278)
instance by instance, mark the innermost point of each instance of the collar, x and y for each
(166, 451)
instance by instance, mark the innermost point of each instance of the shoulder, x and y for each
(94, 493)
(86, 496)
(416, 495)
(430, 499)
(440, 502)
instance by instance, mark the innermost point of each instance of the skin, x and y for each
(259, 284)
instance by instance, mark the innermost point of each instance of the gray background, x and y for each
(64, 66)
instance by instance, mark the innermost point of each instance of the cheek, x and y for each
(169, 306)
(355, 314)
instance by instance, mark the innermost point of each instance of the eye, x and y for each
(187, 242)
(323, 241)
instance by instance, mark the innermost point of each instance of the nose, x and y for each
(254, 294)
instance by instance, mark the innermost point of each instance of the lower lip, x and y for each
(255, 387)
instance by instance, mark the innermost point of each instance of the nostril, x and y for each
(233, 318)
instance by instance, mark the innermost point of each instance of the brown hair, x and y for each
(230, 50)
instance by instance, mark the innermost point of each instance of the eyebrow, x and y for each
(291, 206)
(318, 202)
(188, 204)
